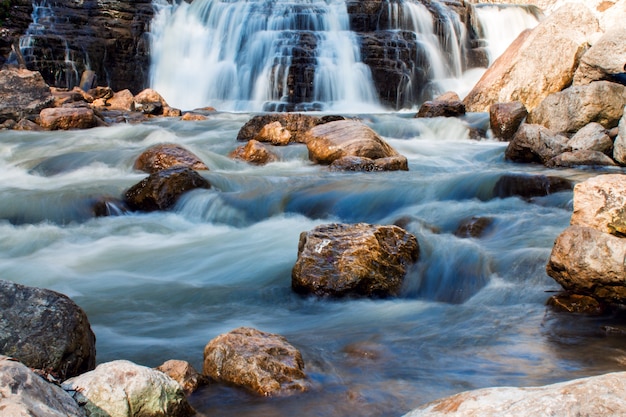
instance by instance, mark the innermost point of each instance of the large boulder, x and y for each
(281, 128)
(124, 389)
(330, 141)
(605, 58)
(23, 393)
(359, 259)
(64, 118)
(600, 203)
(45, 330)
(23, 93)
(264, 363)
(587, 261)
(603, 395)
(506, 118)
(162, 189)
(575, 107)
(535, 143)
(165, 156)
(526, 71)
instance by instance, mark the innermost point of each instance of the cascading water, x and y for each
(240, 56)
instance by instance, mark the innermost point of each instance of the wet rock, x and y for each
(167, 155)
(23, 93)
(162, 189)
(570, 110)
(606, 57)
(26, 124)
(24, 393)
(330, 141)
(506, 118)
(264, 363)
(254, 152)
(121, 100)
(193, 117)
(65, 118)
(391, 163)
(360, 259)
(441, 108)
(281, 128)
(595, 396)
(362, 164)
(109, 206)
(124, 389)
(580, 158)
(600, 203)
(528, 186)
(149, 101)
(577, 303)
(183, 373)
(535, 143)
(592, 137)
(473, 227)
(45, 330)
(525, 72)
(589, 262)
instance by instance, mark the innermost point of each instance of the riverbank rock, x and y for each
(527, 186)
(255, 153)
(600, 203)
(281, 128)
(602, 395)
(535, 143)
(441, 108)
(526, 72)
(183, 373)
(573, 108)
(24, 393)
(168, 155)
(65, 118)
(45, 330)
(606, 57)
(358, 259)
(264, 363)
(124, 389)
(506, 118)
(580, 158)
(334, 140)
(162, 189)
(592, 137)
(23, 93)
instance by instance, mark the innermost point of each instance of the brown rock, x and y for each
(506, 118)
(600, 203)
(576, 303)
(535, 143)
(183, 373)
(359, 259)
(474, 227)
(193, 117)
(391, 163)
(274, 133)
(362, 164)
(121, 100)
(440, 108)
(330, 141)
(167, 155)
(162, 189)
(23, 93)
(26, 124)
(149, 101)
(255, 153)
(263, 363)
(528, 186)
(586, 261)
(580, 158)
(276, 128)
(64, 118)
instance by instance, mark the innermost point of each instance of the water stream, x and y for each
(159, 286)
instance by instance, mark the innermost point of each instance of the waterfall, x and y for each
(242, 55)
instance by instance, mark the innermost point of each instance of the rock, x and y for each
(473, 227)
(592, 137)
(162, 189)
(149, 101)
(600, 203)
(362, 164)
(281, 128)
(263, 363)
(23, 93)
(580, 158)
(606, 57)
(535, 143)
(193, 117)
(571, 109)
(121, 100)
(26, 124)
(124, 389)
(601, 395)
(255, 153)
(45, 330)
(441, 108)
(183, 373)
(528, 186)
(334, 140)
(165, 156)
(24, 393)
(589, 262)
(108, 206)
(577, 303)
(391, 163)
(64, 118)
(619, 146)
(525, 72)
(359, 259)
(506, 118)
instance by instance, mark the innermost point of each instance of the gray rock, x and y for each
(580, 158)
(535, 143)
(607, 56)
(592, 137)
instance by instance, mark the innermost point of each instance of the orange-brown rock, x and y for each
(167, 155)
(264, 363)
(600, 203)
(576, 303)
(193, 117)
(254, 152)
(121, 100)
(183, 373)
(64, 118)
(281, 128)
(353, 259)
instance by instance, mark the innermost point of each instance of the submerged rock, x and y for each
(359, 259)
(168, 155)
(474, 227)
(576, 303)
(264, 363)
(45, 330)
(528, 186)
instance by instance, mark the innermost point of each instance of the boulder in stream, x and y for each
(281, 128)
(255, 153)
(528, 186)
(168, 155)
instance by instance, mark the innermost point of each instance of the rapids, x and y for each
(159, 286)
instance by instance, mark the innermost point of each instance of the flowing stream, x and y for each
(161, 285)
